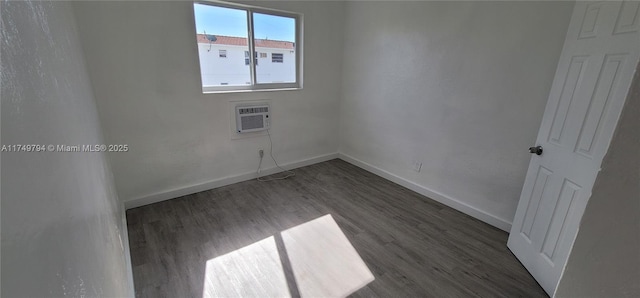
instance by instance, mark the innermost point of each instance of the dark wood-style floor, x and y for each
(415, 247)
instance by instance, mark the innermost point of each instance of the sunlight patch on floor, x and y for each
(252, 271)
(317, 254)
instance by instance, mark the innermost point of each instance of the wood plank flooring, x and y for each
(415, 247)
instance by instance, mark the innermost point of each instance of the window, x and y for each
(277, 58)
(247, 61)
(235, 30)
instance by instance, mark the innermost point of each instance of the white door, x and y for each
(594, 73)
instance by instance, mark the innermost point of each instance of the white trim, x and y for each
(127, 250)
(251, 90)
(251, 42)
(465, 208)
(190, 189)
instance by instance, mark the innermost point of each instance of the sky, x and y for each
(233, 22)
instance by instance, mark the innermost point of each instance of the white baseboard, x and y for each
(434, 195)
(127, 250)
(190, 189)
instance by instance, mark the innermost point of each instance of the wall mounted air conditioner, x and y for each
(250, 118)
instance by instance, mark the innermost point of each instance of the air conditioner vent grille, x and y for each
(252, 118)
(252, 122)
(254, 110)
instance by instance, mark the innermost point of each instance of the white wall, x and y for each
(144, 69)
(216, 70)
(275, 72)
(605, 258)
(61, 219)
(458, 86)
(233, 70)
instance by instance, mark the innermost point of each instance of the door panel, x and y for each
(568, 193)
(590, 23)
(572, 83)
(628, 20)
(599, 104)
(592, 79)
(539, 186)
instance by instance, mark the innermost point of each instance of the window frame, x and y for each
(255, 86)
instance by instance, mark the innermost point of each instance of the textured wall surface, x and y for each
(61, 219)
(605, 259)
(145, 73)
(458, 86)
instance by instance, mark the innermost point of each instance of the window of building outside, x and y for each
(247, 60)
(277, 58)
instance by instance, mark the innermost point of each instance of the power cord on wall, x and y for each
(288, 173)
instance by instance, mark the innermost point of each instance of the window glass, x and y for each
(224, 47)
(276, 35)
(222, 33)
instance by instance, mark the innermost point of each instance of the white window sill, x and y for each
(250, 90)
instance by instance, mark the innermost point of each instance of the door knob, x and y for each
(537, 150)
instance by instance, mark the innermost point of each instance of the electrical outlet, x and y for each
(416, 166)
(260, 153)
